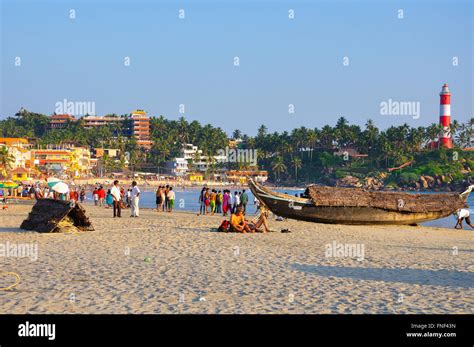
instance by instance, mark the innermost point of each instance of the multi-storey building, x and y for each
(141, 128)
(59, 121)
(98, 121)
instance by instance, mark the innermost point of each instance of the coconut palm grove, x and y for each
(343, 154)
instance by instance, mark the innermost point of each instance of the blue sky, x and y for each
(283, 61)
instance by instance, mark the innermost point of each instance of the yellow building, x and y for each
(81, 161)
(195, 177)
(74, 162)
(52, 160)
(21, 174)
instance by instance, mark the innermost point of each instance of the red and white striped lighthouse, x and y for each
(445, 117)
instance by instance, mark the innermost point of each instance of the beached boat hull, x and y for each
(303, 209)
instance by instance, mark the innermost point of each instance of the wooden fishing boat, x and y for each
(357, 206)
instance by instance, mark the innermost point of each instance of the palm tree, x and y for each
(297, 164)
(312, 138)
(237, 134)
(278, 167)
(6, 161)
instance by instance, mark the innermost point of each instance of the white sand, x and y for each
(193, 270)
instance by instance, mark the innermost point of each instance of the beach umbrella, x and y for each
(52, 181)
(60, 187)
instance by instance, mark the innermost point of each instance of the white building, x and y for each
(177, 167)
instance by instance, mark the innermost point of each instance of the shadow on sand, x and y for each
(447, 278)
(13, 230)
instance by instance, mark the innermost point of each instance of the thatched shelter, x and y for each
(391, 201)
(49, 215)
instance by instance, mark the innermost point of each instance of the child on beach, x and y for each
(109, 199)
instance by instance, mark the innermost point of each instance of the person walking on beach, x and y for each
(159, 200)
(225, 202)
(171, 196)
(230, 206)
(207, 199)
(117, 197)
(95, 195)
(82, 195)
(202, 206)
(101, 195)
(460, 215)
(219, 202)
(134, 199)
(236, 202)
(128, 199)
(163, 198)
(109, 199)
(73, 195)
(212, 201)
(244, 199)
(167, 189)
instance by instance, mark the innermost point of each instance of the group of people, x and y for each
(165, 197)
(38, 191)
(216, 201)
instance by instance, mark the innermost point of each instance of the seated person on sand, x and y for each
(261, 221)
(239, 224)
(462, 213)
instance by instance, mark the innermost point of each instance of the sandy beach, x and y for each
(174, 263)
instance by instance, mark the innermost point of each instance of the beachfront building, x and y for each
(51, 161)
(240, 176)
(195, 177)
(98, 121)
(202, 163)
(81, 162)
(19, 150)
(190, 152)
(21, 174)
(71, 162)
(141, 128)
(59, 121)
(176, 167)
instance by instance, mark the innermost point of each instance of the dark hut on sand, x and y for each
(49, 215)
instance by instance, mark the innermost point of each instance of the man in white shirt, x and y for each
(462, 213)
(115, 191)
(134, 199)
(236, 202)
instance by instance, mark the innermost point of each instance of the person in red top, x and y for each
(95, 194)
(101, 194)
(73, 195)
